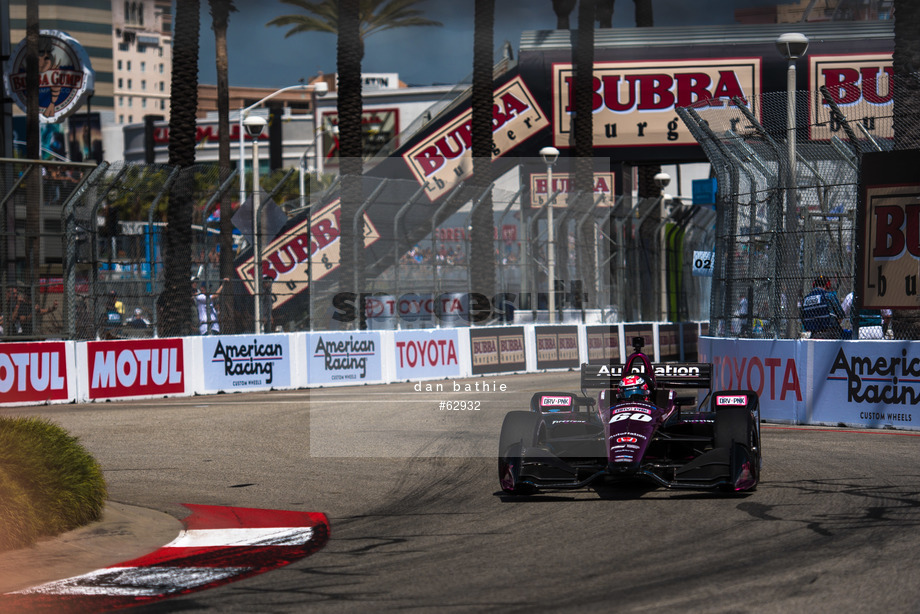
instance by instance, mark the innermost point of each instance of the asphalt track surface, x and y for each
(419, 524)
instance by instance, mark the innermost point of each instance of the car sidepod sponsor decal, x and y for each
(219, 545)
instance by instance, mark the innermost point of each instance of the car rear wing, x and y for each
(667, 375)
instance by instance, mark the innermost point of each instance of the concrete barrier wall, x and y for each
(855, 383)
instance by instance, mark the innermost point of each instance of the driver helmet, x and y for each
(633, 388)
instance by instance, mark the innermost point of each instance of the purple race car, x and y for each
(638, 429)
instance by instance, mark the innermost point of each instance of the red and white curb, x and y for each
(219, 545)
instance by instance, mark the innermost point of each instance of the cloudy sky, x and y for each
(260, 55)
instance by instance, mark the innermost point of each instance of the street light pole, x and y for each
(319, 88)
(792, 46)
(550, 155)
(254, 127)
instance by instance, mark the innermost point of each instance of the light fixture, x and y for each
(792, 45)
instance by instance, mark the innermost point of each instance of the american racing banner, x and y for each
(245, 362)
(557, 347)
(427, 354)
(634, 102)
(870, 383)
(861, 86)
(33, 372)
(445, 158)
(889, 222)
(497, 350)
(143, 367)
(349, 358)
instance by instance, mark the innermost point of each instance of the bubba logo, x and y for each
(289, 257)
(627, 440)
(731, 401)
(892, 249)
(634, 102)
(564, 184)
(445, 158)
(860, 84)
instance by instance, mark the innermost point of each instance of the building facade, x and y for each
(142, 58)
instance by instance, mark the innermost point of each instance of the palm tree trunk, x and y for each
(33, 144)
(482, 245)
(350, 53)
(174, 304)
(584, 141)
(220, 17)
(906, 61)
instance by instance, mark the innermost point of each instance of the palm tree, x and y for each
(482, 246)
(350, 52)
(353, 21)
(33, 142)
(906, 62)
(220, 18)
(374, 16)
(583, 131)
(173, 304)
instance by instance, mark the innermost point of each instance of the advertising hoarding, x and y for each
(33, 372)
(351, 358)
(427, 354)
(497, 350)
(245, 362)
(557, 347)
(133, 368)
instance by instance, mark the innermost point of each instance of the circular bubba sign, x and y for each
(65, 76)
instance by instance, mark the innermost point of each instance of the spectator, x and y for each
(204, 306)
(821, 312)
(138, 320)
(20, 314)
(871, 323)
(111, 316)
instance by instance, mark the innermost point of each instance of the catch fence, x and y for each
(99, 270)
(788, 201)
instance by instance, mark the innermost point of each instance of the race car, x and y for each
(638, 428)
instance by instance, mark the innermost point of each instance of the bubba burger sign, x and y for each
(634, 102)
(445, 158)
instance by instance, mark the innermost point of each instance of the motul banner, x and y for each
(33, 372)
(143, 367)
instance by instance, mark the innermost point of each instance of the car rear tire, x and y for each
(520, 430)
